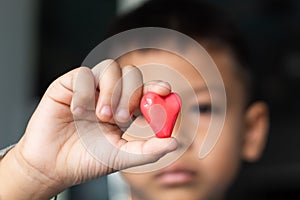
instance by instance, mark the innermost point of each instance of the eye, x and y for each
(202, 108)
(205, 109)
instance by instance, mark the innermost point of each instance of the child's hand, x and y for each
(51, 153)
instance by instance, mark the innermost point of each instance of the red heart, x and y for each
(161, 112)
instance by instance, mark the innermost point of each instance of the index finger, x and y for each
(159, 87)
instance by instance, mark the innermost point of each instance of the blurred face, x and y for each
(189, 177)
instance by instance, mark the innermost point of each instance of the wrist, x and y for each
(19, 180)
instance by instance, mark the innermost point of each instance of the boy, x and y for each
(50, 156)
(246, 123)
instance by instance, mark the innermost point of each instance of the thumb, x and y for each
(135, 153)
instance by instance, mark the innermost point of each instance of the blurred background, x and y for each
(40, 40)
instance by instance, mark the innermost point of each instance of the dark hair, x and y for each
(197, 19)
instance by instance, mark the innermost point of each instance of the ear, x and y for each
(256, 131)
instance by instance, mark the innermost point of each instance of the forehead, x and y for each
(163, 65)
(167, 66)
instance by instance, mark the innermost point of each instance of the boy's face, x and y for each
(190, 177)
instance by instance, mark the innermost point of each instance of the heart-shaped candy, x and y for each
(161, 112)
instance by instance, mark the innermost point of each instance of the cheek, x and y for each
(222, 163)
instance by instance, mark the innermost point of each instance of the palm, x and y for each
(67, 148)
(60, 145)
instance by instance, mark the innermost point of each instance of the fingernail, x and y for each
(106, 111)
(123, 115)
(164, 84)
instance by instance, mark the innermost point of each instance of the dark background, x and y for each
(68, 30)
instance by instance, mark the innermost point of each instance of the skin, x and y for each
(242, 137)
(50, 156)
